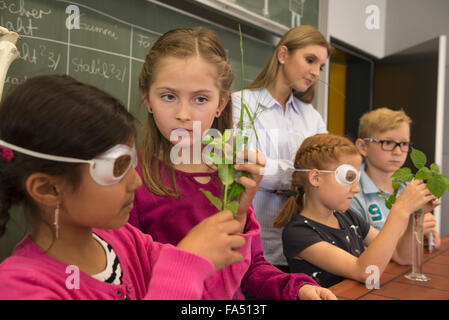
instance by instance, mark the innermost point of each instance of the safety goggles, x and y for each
(106, 169)
(345, 174)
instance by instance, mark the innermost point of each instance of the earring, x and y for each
(56, 222)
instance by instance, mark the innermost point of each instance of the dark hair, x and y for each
(61, 116)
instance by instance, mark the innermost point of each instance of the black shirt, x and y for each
(301, 232)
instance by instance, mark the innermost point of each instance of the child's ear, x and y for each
(146, 100)
(41, 187)
(314, 178)
(361, 145)
(222, 105)
(282, 54)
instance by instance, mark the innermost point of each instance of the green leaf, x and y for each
(434, 168)
(419, 159)
(227, 135)
(395, 185)
(213, 158)
(213, 199)
(423, 174)
(382, 196)
(446, 180)
(233, 206)
(226, 172)
(403, 174)
(437, 185)
(251, 119)
(215, 142)
(207, 139)
(235, 190)
(388, 204)
(392, 199)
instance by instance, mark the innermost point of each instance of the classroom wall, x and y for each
(414, 21)
(348, 20)
(403, 24)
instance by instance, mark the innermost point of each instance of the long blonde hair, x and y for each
(295, 38)
(316, 152)
(179, 43)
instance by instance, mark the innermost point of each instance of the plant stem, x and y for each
(225, 196)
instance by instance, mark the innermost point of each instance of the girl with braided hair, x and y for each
(321, 236)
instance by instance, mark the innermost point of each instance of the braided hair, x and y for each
(316, 152)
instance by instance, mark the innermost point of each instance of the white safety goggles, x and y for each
(345, 174)
(106, 169)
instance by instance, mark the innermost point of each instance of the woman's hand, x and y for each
(253, 163)
(311, 292)
(215, 238)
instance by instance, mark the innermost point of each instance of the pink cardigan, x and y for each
(168, 220)
(151, 270)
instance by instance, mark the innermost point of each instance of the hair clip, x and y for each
(6, 153)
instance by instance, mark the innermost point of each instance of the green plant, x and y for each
(225, 160)
(436, 182)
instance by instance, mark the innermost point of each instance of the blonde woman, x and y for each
(281, 97)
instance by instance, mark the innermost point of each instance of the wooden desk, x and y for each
(393, 284)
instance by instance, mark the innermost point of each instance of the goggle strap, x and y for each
(43, 155)
(306, 170)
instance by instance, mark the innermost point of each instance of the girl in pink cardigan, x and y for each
(185, 83)
(67, 156)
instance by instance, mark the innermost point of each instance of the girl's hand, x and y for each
(311, 292)
(436, 239)
(215, 238)
(254, 164)
(415, 196)
(429, 225)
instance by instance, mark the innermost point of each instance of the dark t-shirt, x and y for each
(301, 232)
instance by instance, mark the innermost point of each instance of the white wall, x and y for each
(348, 22)
(403, 24)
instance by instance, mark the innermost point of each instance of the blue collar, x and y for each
(366, 184)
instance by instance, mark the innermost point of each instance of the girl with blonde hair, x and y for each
(185, 80)
(321, 236)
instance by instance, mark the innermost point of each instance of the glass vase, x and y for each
(417, 249)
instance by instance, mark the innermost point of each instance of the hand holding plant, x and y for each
(436, 182)
(422, 193)
(239, 188)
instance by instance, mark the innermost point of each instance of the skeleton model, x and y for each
(8, 52)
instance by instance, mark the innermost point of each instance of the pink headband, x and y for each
(6, 153)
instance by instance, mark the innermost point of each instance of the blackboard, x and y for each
(290, 13)
(110, 45)
(106, 51)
